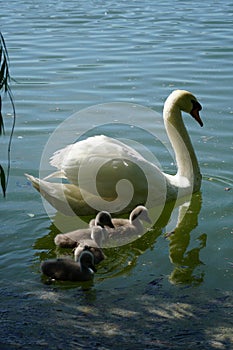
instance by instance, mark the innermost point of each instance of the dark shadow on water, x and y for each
(153, 317)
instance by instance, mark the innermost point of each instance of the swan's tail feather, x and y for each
(57, 174)
(58, 195)
(34, 180)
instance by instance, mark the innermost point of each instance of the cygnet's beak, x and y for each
(147, 219)
(110, 224)
(92, 267)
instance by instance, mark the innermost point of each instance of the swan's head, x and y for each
(186, 102)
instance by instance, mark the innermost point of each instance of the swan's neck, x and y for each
(188, 172)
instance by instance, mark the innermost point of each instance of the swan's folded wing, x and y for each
(66, 198)
(90, 155)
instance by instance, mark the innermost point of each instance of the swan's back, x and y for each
(114, 157)
(94, 146)
(100, 162)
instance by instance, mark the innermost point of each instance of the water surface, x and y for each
(158, 292)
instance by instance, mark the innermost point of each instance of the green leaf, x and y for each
(3, 44)
(4, 87)
(7, 78)
(4, 65)
(3, 180)
(2, 131)
(2, 74)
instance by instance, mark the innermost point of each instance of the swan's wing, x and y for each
(84, 158)
(95, 145)
(57, 174)
(99, 163)
(70, 200)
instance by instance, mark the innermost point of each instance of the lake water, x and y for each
(158, 292)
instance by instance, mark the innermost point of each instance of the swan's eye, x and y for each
(196, 105)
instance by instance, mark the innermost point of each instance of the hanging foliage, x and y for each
(5, 89)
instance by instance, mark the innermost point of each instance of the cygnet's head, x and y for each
(103, 218)
(141, 213)
(86, 260)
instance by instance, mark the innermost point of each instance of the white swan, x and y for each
(123, 162)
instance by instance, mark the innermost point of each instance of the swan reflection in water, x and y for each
(186, 260)
(121, 260)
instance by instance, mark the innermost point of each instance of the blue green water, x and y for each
(159, 292)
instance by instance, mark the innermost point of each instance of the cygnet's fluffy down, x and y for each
(70, 270)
